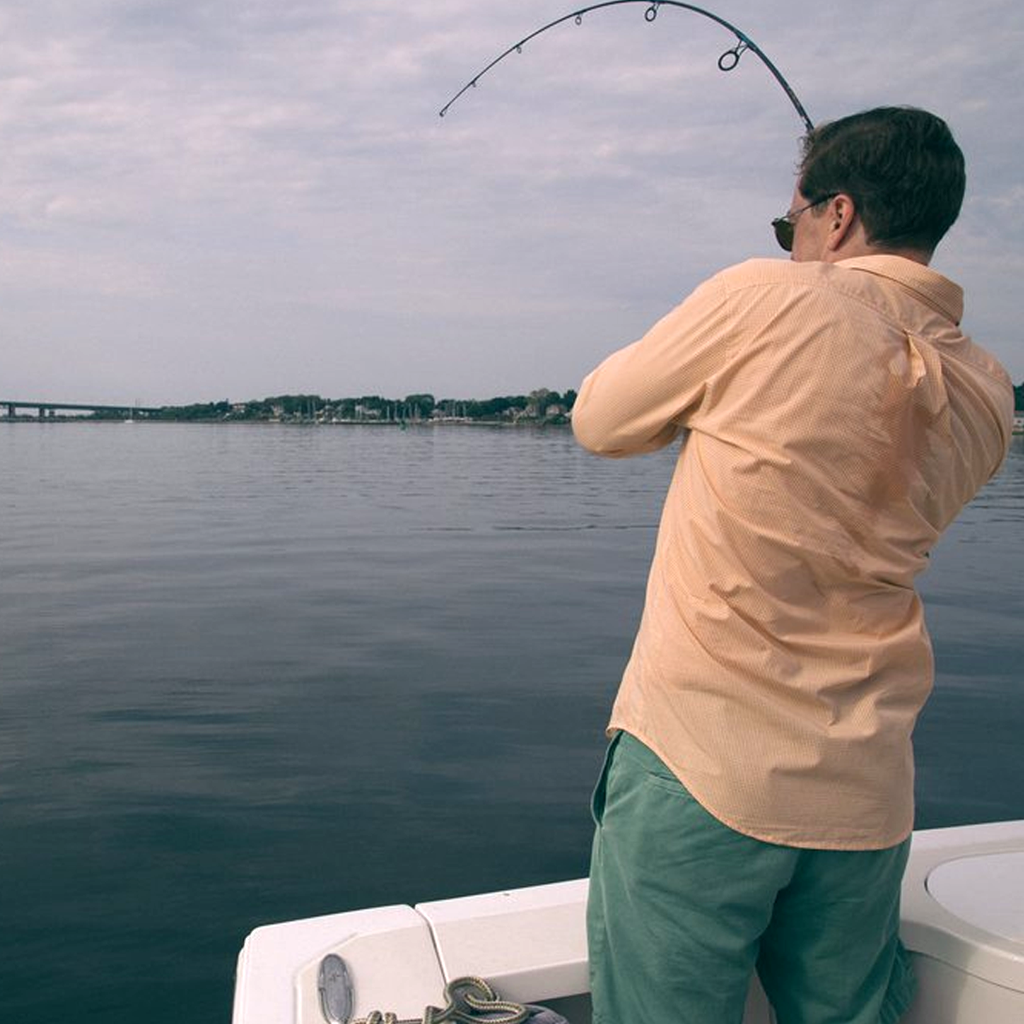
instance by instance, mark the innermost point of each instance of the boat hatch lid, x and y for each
(963, 900)
(986, 891)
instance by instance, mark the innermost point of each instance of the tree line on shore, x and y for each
(539, 406)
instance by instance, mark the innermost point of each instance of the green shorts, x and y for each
(683, 909)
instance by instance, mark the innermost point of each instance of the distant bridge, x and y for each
(47, 410)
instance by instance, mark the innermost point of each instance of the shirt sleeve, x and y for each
(642, 396)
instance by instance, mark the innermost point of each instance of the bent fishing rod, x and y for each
(727, 62)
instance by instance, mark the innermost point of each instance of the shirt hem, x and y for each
(796, 838)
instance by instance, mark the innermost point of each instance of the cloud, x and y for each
(272, 182)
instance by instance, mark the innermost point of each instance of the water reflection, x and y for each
(257, 673)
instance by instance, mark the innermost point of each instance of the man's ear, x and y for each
(842, 214)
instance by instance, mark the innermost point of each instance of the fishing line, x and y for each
(727, 62)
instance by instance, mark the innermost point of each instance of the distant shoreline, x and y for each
(400, 424)
(540, 406)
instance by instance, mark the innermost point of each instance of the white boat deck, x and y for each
(963, 918)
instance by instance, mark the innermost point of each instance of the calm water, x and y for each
(252, 673)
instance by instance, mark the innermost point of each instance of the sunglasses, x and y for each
(785, 227)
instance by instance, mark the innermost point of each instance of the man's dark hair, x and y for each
(900, 165)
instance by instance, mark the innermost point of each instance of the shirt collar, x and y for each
(943, 295)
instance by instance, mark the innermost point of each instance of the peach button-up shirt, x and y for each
(836, 420)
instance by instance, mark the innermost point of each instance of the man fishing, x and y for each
(756, 803)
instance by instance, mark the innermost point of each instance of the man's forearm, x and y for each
(613, 415)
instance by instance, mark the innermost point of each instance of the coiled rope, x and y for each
(470, 1001)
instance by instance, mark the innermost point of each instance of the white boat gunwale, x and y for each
(530, 943)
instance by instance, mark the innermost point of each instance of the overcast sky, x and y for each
(210, 199)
